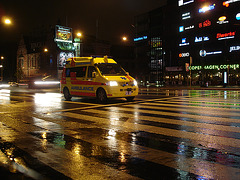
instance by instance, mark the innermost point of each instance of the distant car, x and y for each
(43, 82)
(13, 84)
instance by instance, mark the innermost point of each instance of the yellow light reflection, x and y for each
(114, 116)
(122, 157)
(77, 149)
(44, 135)
(111, 132)
(44, 144)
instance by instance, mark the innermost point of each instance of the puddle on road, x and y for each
(22, 165)
(125, 161)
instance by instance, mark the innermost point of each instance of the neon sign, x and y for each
(234, 48)
(226, 3)
(184, 54)
(206, 8)
(238, 16)
(182, 3)
(189, 27)
(184, 42)
(186, 16)
(204, 53)
(140, 38)
(229, 35)
(221, 20)
(181, 28)
(200, 39)
(205, 24)
(212, 67)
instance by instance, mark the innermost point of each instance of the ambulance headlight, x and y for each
(135, 83)
(113, 83)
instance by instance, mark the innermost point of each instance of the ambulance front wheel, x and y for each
(67, 95)
(101, 95)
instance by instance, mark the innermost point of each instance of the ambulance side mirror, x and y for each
(94, 74)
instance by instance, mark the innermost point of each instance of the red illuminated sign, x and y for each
(220, 35)
(205, 24)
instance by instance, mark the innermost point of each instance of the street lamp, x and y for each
(79, 34)
(124, 38)
(6, 20)
(77, 44)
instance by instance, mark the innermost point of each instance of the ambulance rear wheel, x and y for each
(101, 95)
(67, 95)
(130, 98)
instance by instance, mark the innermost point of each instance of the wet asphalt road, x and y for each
(163, 134)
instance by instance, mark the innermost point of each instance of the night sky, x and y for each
(115, 17)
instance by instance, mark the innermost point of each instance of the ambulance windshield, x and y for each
(111, 69)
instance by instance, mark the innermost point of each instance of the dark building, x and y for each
(155, 37)
(209, 34)
(185, 41)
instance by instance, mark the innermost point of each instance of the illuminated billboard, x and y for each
(63, 56)
(223, 36)
(63, 34)
(226, 3)
(184, 2)
(186, 16)
(206, 8)
(238, 16)
(140, 38)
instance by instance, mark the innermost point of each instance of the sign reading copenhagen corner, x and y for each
(212, 67)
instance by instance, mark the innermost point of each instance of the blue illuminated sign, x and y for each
(206, 8)
(238, 16)
(184, 42)
(181, 29)
(200, 39)
(140, 38)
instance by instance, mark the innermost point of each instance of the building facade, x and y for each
(209, 41)
(45, 51)
(190, 41)
(154, 41)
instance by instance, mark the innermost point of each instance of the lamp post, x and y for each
(77, 44)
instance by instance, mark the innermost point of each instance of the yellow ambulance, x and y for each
(99, 77)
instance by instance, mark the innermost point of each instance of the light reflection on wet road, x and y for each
(168, 134)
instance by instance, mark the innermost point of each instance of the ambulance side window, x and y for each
(91, 69)
(81, 71)
(67, 72)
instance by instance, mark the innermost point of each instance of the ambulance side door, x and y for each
(91, 78)
(78, 78)
(90, 73)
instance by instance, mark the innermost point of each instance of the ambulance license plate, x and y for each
(128, 92)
